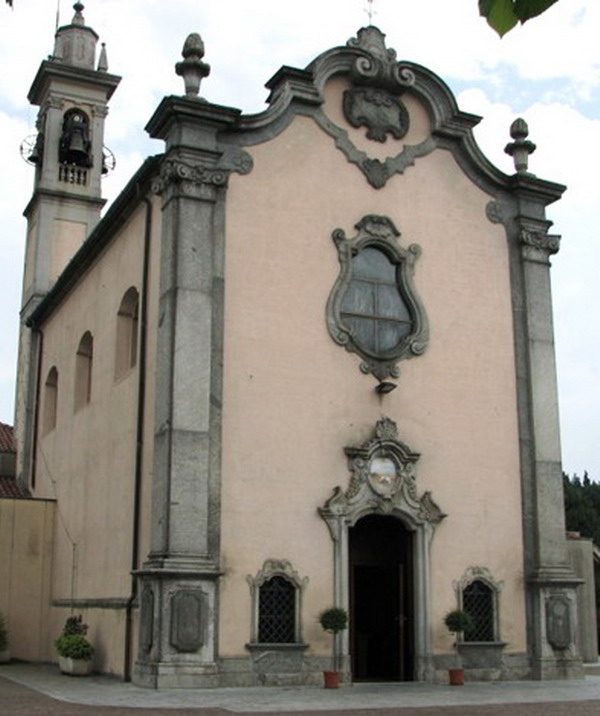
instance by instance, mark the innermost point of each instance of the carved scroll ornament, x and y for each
(382, 482)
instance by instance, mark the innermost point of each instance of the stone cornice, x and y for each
(51, 70)
(194, 111)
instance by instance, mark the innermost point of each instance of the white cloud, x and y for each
(247, 42)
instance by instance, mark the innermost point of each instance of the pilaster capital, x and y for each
(175, 173)
(187, 178)
(538, 245)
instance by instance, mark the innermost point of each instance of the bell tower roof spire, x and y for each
(75, 44)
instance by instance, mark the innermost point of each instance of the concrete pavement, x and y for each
(103, 694)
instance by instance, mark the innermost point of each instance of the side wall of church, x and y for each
(86, 461)
(293, 399)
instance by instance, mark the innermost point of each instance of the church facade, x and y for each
(304, 359)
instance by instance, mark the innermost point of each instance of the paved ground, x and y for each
(33, 690)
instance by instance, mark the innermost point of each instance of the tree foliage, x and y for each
(503, 15)
(582, 506)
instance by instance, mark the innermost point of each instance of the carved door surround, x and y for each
(383, 482)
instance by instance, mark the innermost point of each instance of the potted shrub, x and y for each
(333, 620)
(4, 654)
(74, 650)
(457, 622)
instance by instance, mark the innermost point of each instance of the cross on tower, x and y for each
(370, 10)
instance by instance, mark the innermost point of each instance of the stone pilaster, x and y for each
(179, 580)
(551, 583)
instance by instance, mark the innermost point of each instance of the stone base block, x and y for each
(552, 669)
(168, 675)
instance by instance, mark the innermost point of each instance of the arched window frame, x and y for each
(380, 233)
(270, 569)
(126, 340)
(50, 401)
(483, 575)
(84, 361)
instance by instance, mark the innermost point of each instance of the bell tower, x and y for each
(72, 92)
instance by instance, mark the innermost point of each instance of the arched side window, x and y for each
(277, 611)
(126, 346)
(478, 595)
(478, 601)
(83, 371)
(276, 604)
(50, 401)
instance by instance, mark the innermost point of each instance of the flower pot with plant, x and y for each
(4, 653)
(74, 651)
(334, 620)
(457, 621)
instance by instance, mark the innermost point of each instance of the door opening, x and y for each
(381, 603)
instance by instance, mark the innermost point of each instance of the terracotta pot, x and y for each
(331, 679)
(456, 677)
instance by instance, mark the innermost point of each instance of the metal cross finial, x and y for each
(370, 10)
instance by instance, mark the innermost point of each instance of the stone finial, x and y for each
(521, 148)
(192, 69)
(103, 59)
(78, 17)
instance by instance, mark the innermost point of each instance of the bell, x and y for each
(76, 152)
(35, 157)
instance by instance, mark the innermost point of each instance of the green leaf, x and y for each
(526, 9)
(500, 14)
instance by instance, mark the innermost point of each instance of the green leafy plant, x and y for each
(503, 15)
(74, 646)
(334, 620)
(72, 643)
(3, 633)
(75, 625)
(458, 621)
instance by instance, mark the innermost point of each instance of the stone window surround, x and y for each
(126, 344)
(276, 568)
(481, 574)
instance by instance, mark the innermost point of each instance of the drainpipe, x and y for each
(31, 437)
(141, 404)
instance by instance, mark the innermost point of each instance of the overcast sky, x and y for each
(547, 72)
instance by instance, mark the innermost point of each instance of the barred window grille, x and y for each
(478, 602)
(277, 611)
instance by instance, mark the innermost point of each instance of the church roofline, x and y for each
(116, 216)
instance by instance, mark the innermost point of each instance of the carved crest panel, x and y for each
(378, 110)
(373, 309)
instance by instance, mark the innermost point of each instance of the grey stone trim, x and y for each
(273, 568)
(101, 603)
(376, 171)
(547, 573)
(280, 667)
(71, 74)
(481, 655)
(394, 495)
(367, 63)
(484, 664)
(187, 177)
(379, 232)
(483, 574)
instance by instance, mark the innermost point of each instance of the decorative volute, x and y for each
(75, 44)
